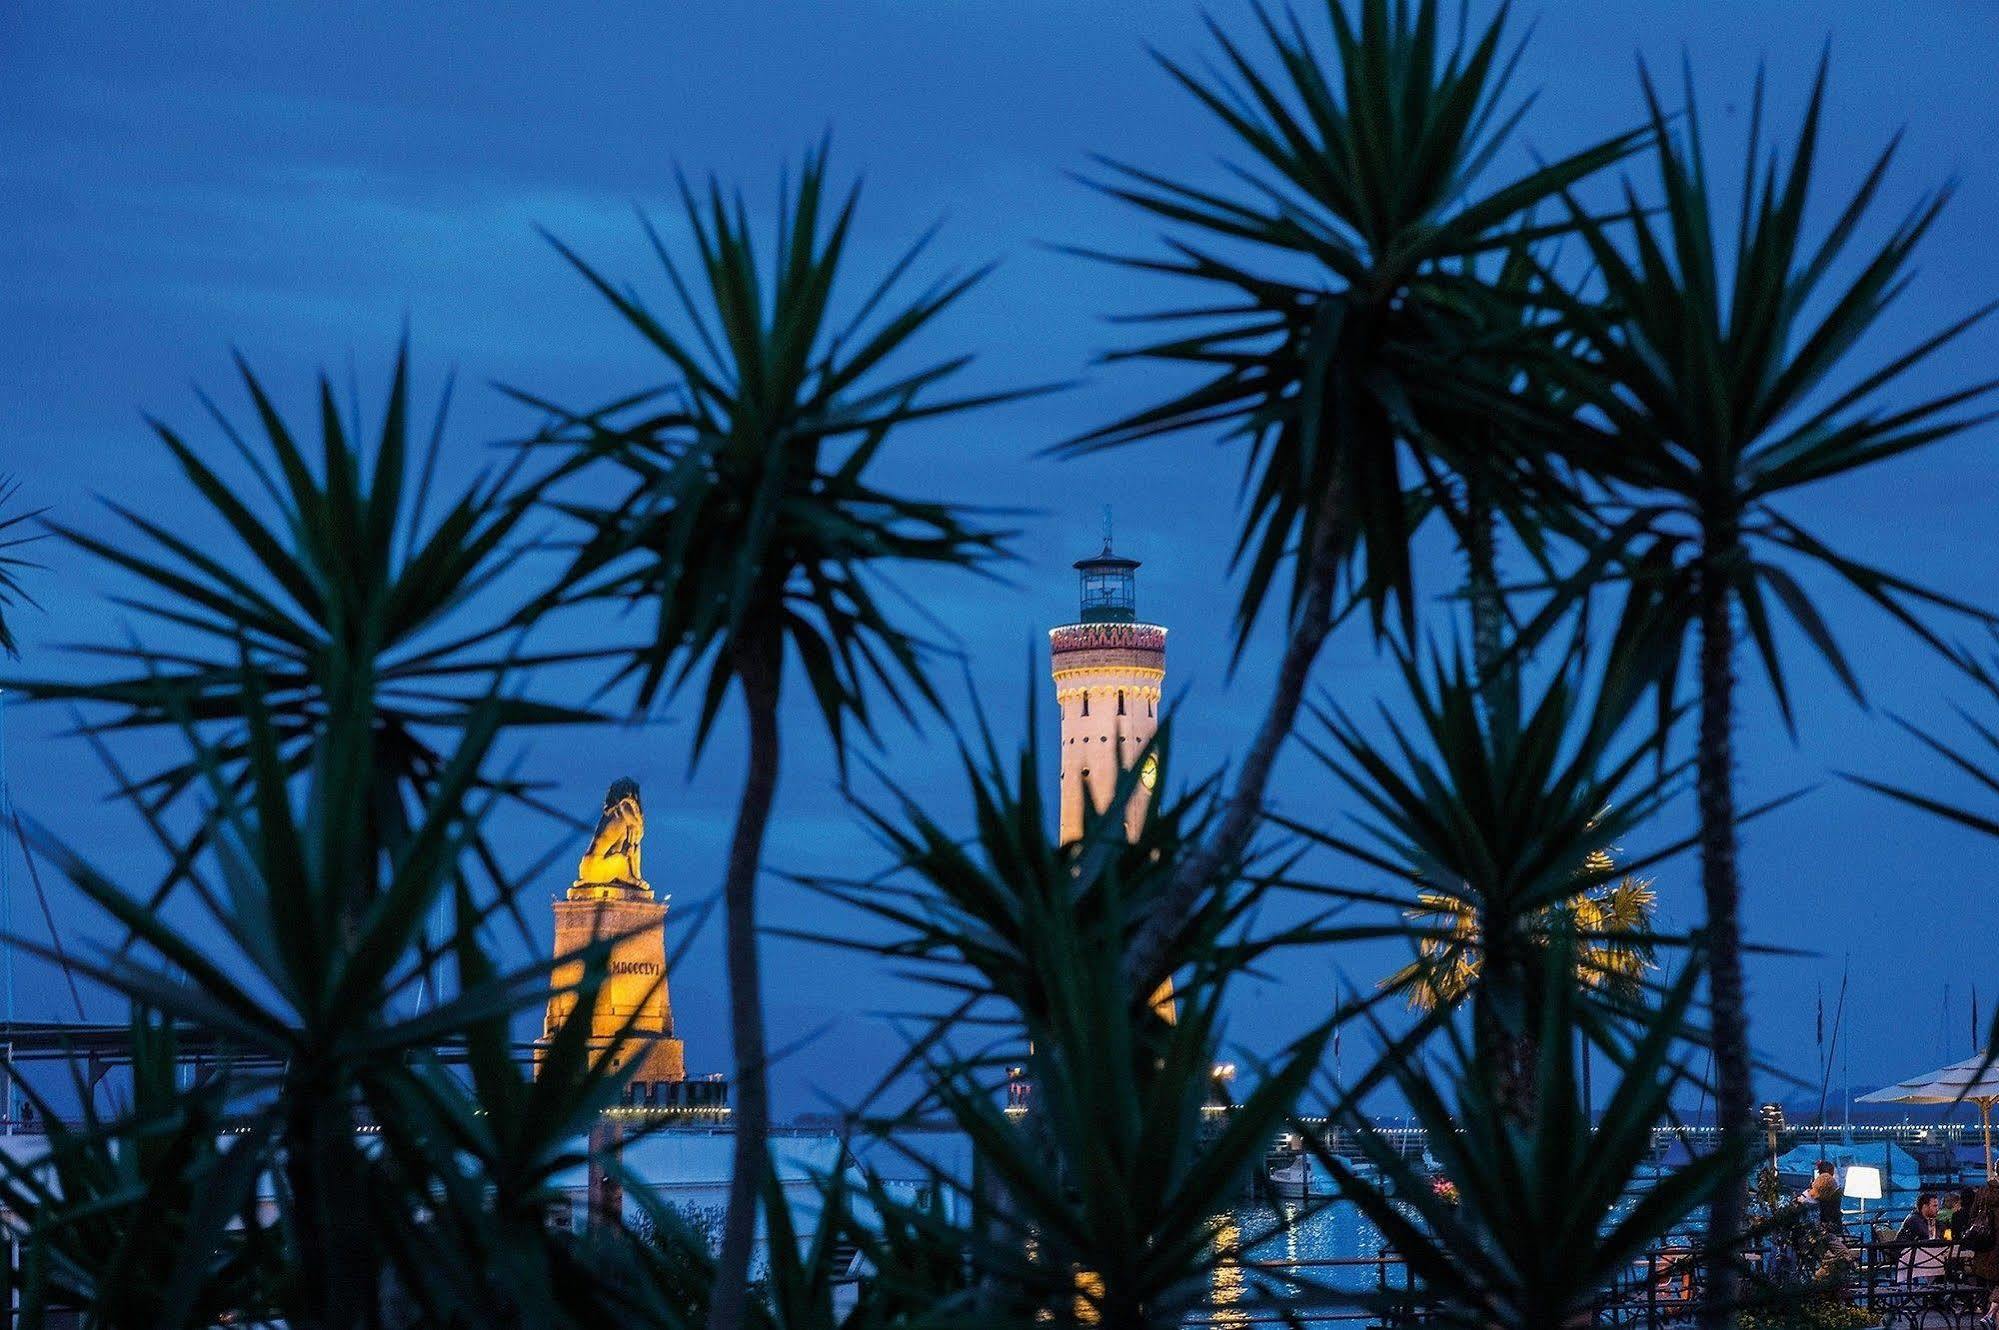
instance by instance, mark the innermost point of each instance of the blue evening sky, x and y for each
(298, 181)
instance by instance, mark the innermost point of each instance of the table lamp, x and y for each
(1863, 1184)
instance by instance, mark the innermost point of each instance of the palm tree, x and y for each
(334, 585)
(12, 565)
(1611, 927)
(115, 1211)
(1497, 822)
(316, 1005)
(1706, 364)
(1523, 1241)
(752, 529)
(1350, 308)
(1116, 1167)
(1611, 930)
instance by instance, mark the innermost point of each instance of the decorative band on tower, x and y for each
(1110, 672)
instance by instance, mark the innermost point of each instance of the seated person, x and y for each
(1921, 1225)
(1922, 1257)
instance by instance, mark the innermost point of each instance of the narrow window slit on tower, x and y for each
(1086, 704)
(1120, 701)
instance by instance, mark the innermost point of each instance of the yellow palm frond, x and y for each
(1607, 923)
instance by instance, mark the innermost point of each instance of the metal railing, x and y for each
(1661, 1290)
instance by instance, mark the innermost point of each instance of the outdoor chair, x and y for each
(1926, 1290)
(1921, 1263)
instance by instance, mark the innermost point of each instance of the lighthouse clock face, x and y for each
(1148, 771)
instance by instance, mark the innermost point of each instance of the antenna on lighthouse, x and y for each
(1107, 528)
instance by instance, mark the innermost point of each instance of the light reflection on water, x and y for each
(1283, 1233)
(1225, 1293)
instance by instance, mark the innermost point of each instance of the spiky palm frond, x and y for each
(1123, 1157)
(331, 578)
(1495, 820)
(1351, 309)
(751, 530)
(1491, 818)
(316, 1001)
(971, 914)
(12, 564)
(1976, 758)
(750, 520)
(1720, 371)
(1610, 926)
(500, 1143)
(145, 1217)
(1725, 382)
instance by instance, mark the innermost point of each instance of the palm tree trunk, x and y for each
(1488, 614)
(758, 670)
(1504, 1020)
(1586, 1054)
(1715, 788)
(1244, 808)
(337, 1279)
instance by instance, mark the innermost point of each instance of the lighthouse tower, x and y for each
(1109, 669)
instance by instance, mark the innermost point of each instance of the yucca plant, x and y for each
(1720, 366)
(981, 905)
(1351, 311)
(1501, 819)
(340, 586)
(143, 1218)
(908, 1264)
(12, 564)
(1124, 1156)
(750, 528)
(867, 1260)
(914, 1268)
(1107, 1183)
(1543, 1217)
(277, 967)
(491, 1144)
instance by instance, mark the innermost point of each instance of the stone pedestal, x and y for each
(634, 992)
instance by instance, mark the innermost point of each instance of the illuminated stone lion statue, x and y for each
(613, 856)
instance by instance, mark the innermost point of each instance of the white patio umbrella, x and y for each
(1974, 1080)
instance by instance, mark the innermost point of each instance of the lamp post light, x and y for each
(1772, 1117)
(1218, 1086)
